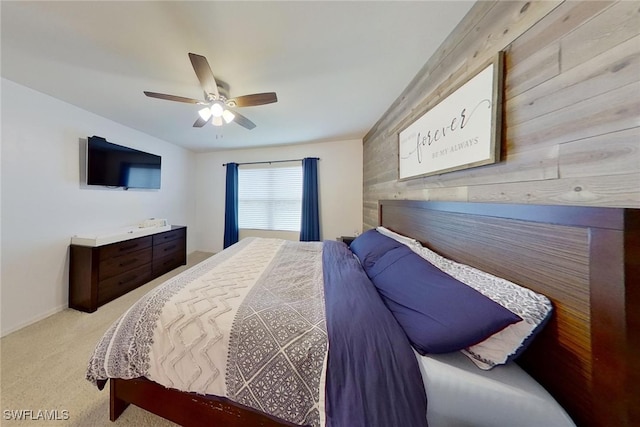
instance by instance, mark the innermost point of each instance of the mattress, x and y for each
(461, 395)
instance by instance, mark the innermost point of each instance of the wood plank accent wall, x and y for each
(571, 126)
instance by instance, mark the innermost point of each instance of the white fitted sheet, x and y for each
(461, 395)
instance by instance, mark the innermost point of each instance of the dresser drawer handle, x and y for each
(126, 248)
(128, 279)
(129, 262)
(170, 248)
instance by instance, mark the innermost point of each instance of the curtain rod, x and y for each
(273, 161)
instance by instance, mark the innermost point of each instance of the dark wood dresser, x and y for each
(99, 274)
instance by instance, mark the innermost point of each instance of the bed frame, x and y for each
(585, 259)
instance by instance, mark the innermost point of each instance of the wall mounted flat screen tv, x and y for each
(113, 165)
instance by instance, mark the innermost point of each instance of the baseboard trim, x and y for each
(33, 320)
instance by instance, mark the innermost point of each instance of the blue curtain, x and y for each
(310, 227)
(231, 206)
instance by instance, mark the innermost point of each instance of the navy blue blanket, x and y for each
(373, 378)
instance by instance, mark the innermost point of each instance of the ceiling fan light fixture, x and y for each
(228, 116)
(205, 113)
(217, 98)
(216, 110)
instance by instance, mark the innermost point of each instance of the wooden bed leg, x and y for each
(116, 405)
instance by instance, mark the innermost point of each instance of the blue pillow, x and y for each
(370, 246)
(438, 313)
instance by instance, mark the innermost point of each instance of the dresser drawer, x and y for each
(120, 264)
(126, 247)
(167, 263)
(119, 285)
(168, 248)
(168, 236)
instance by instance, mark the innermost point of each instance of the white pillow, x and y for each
(408, 241)
(533, 308)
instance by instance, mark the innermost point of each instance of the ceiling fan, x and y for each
(218, 105)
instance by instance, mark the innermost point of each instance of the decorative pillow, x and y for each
(534, 309)
(438, 313)
(370, 246)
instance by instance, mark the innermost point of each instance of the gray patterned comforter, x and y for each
(247, 324)
(293, 329)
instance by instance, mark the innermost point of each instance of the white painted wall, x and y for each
(43, 203)
(339, 182)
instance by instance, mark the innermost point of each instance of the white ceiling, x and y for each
(335, 66)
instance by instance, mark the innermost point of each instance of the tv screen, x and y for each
(113, 165)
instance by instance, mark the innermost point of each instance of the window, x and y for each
(270, 198)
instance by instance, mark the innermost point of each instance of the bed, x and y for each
(584, 259)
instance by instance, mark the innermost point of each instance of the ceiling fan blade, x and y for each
(173, 98)
(200, 122)
(255, 99)
(204, 73)
(243, 121)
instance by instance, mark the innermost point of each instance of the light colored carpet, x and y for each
(43, 366)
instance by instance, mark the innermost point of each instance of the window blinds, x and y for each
(270, 198)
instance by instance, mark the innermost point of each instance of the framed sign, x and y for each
(460, 132)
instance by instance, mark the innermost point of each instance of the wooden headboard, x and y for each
(585, 259)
